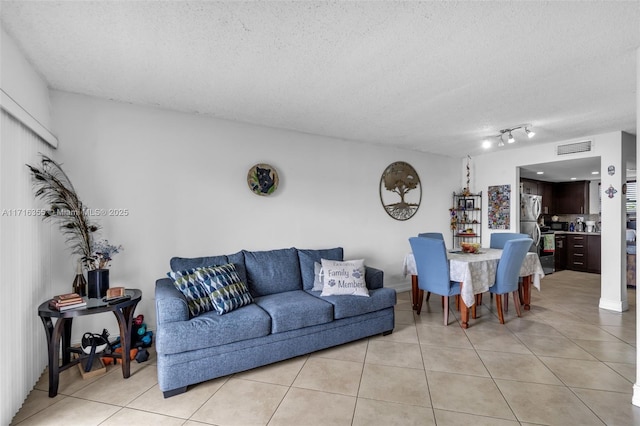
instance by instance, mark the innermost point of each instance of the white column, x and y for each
(613, 288)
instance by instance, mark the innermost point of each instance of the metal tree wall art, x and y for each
(401, 180)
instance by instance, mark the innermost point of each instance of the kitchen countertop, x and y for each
(577, 232)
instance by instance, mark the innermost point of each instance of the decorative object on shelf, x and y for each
(102, 253)
(499, 210)
(52, 185)
(98, 273)
(486, 143)
(263, 179)
(98, 283)
(467, 189)
(611, 191)
(611, 170)
(79, 283)
(400, 179)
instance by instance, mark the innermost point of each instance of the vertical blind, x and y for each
(25, 272)
(631, 198)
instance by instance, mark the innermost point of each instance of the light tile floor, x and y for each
(565, 362)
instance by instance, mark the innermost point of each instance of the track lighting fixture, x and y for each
(509, 132)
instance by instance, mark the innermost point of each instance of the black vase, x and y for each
(98, 283)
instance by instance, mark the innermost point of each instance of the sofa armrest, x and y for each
(373, 277)
(171, 305)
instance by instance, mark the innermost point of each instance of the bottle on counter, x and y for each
(572, 227)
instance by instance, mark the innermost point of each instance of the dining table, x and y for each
(476, 272)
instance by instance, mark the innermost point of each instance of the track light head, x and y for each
(511, 138)
(530, 133)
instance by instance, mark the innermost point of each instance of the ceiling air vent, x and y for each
(572, 148)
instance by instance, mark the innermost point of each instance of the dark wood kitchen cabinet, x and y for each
(560, 256)
(546, 190)
(577, 252)
(593, 254)
(571, 197)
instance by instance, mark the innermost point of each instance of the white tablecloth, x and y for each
(477, 272)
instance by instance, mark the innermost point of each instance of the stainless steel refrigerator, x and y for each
(530, 208)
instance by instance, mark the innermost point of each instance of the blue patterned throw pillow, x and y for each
(210, 288)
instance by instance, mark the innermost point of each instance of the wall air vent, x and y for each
(572, 148)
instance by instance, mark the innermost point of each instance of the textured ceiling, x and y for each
(431, 76)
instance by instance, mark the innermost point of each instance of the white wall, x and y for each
(183, 180)
(500, 167)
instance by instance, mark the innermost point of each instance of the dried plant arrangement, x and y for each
(52, 185)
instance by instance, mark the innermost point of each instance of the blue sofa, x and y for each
(286, 319)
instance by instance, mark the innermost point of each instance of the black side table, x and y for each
(61, 330)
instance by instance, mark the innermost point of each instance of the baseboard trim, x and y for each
(614, 305)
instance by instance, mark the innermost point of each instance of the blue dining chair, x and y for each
(508, 273)
(433, 271)
(434, 235)
(499, 239)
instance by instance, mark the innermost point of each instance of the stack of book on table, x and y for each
(64, 302)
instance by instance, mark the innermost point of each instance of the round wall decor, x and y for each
(400, 180)
(262, 179)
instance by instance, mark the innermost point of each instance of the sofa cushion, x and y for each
(225, 288)
(273, 271)
(184, 263)
(309, 256)
(344, 278)
(193, 289)
(296, 309)
(351, 306)
(211, 329)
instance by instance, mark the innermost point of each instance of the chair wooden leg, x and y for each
(520, 293)
(479, 299)
(445, 299)
(442, 301)
(414, 292)
(457, 297)
(420, 297)
(428, 295)
(499, 306)
(506, 303)
(516, 299)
